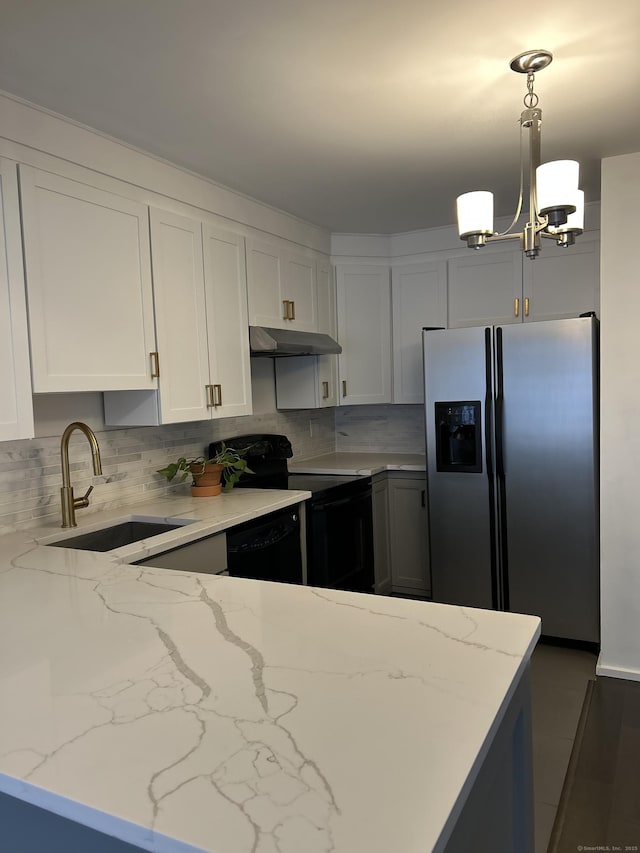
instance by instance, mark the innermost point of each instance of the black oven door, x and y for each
(340, 538)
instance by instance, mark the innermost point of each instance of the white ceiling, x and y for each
(360, 115)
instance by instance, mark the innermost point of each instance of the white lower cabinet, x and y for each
(16, 408)
(409, 541)
(381, 539)
(401, 544)
(89, 293)
(364, 332)
(202, 327)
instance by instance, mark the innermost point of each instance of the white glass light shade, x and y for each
(557, 184)
(575, 221)
(475, 213)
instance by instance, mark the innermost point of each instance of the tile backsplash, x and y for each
(30, 471)
(31, 475)
(380, 429)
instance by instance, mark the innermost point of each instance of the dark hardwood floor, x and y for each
(599, 806)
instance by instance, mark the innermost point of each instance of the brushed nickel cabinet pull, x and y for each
(210, 401)
(155, 365)
(217, 389)
(516, 307)
(344, 387)
(325, 390)
(526, 306)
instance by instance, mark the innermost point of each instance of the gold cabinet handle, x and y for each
(344, 387)
(293, 310)
(289, 309)
(526, 306)
(155, 365)
(516, 307)
(325, 390)
(285, 306)
(217, 395)
(210, 400)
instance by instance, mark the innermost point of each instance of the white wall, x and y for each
(620, 418)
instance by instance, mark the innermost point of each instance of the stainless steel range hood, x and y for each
(287, 342)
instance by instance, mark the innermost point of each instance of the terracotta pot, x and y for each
(206, 478)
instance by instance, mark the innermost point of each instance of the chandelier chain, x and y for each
(530, 99)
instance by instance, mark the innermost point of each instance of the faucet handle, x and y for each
(81, 503)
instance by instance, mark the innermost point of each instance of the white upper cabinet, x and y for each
(87, 265)
(419, 299)
(300, 290)
(503, 286)
(562, 282)
(364, 332)
(281, 286)
(327, 324)
(199, 282)
(326, 285)
(311, 382)
(16, 409)
(181, 321)
(485, 287)
(225, 279)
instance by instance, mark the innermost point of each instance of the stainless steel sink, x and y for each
(117, 536)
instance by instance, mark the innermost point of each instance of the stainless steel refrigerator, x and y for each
(512, 470)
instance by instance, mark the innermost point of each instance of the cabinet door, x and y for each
(409, 538)
(419, 299)
(299, 287)
(16, 409)
(87, 265)
(562, 282)
(265, 285)
(227, 321)
(327, 324)
(485, 287)
(178, 286)
(364, 331)
(381, 543)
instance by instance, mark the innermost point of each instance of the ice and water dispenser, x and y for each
(458, 441)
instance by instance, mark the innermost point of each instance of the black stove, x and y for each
(267, 457)
(339, 525)
(319, 484)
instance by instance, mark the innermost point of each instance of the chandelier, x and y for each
(556, 205)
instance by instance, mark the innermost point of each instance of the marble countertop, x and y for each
(188, 712)
(198, 517)
(359, 463)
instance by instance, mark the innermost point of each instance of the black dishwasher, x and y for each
(267, 548)
(339, 526)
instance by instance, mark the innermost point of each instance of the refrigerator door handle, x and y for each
(488, 406)
(488, 449)
(500, 469)
(499, 428)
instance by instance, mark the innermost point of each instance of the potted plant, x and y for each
(210, 476)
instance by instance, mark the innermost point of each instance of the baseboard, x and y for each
(616, 671)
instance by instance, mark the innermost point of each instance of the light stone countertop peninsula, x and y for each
(188, 712)
(366, 464)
